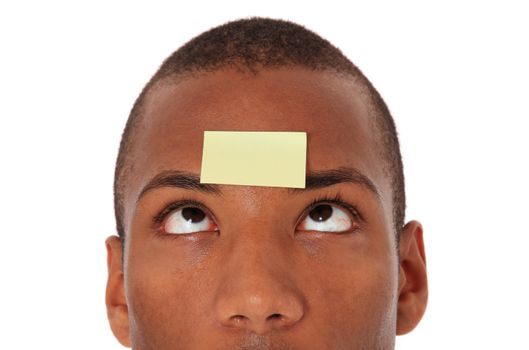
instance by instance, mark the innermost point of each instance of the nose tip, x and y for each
(258, 290)
(261, 314)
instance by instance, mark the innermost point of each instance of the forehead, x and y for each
(328, 107)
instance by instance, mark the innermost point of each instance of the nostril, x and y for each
(238, 319)
(275, 317)
(279, 321)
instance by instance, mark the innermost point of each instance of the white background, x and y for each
(454, 74)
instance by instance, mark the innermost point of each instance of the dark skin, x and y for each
(257, 273)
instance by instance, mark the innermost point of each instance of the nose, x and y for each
(257, 292)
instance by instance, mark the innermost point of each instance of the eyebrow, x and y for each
(179, 179)
(314, 180)
(325, 178)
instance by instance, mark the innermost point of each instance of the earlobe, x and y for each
(413, 283)
(117, 310)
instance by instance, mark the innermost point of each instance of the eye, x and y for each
(188, 220)
(326, 218)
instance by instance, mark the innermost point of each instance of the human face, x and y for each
(257, 273)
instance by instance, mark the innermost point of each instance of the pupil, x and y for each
(321, 213)
(193, 214)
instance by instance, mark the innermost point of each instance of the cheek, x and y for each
(357, 300)
(162, 294)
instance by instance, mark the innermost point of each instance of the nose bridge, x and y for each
(258, 291)
(258, 259)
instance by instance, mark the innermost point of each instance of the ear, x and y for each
(117, 310)
(413, 283)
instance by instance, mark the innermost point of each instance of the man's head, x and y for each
(223, 267)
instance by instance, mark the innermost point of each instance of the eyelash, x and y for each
(336, 199)
(159, 218)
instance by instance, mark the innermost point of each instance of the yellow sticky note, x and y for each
(254, 158)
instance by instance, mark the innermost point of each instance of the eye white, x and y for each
(187, 220)
(326, 218)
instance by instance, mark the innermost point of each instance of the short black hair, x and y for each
(253, 44)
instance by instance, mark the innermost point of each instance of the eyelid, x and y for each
(335, 200)
(159, 218)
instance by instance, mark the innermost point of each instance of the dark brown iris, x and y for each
(321, 212)
(193, 214)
